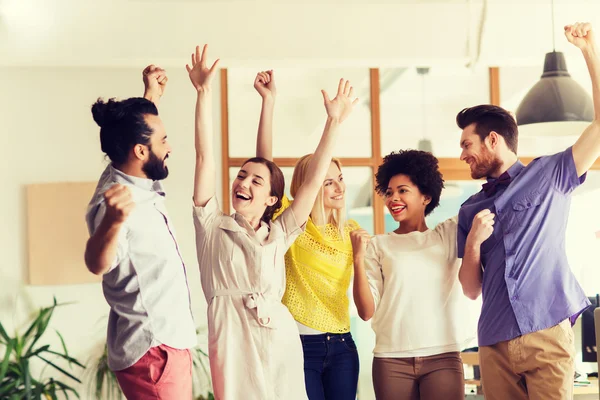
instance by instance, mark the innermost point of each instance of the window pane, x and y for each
(359, 192)
(299, 112)
(415, 107)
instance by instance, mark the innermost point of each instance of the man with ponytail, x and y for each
(133, 247)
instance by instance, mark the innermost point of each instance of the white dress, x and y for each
(253, 343)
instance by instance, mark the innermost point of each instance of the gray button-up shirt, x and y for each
(146, 286)
(527, 282)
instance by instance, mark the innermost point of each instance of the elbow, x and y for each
(91, 264)
(365, 315)
(472, 293)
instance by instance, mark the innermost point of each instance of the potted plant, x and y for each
(20, 351)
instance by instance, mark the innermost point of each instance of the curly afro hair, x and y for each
(422, 169)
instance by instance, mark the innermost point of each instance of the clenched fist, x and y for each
(483, 227)
(264, 83)
(155, 82)
(580, 34)
(360, 239)
(118, 204)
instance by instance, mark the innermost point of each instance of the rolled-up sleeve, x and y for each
(561, 170)
(205, 217)
(122, 243)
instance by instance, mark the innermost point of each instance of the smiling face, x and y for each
(251, 190)
(334, 188)
(404, 200)
(477, 153)
(155, 164)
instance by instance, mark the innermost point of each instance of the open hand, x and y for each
(200, 75)
(341, 106)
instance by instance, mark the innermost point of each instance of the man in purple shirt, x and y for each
(511, 237)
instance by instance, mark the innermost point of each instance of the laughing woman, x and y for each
(254, 349)
(407, 280)
(318, 270)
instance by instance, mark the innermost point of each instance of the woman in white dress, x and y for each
(254, 348)
(407, 280)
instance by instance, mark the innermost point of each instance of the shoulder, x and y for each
(352, 225)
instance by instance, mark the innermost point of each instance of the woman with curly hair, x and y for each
(407, 281)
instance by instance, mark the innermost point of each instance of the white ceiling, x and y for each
(282, 33)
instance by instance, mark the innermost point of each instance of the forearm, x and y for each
(470, 274)
(317, 169)
(264, 141)
(363, 298)
(153, 97)
(101, 248)
(204, 177)
(319, 164)
(592, 59)
(587, 148)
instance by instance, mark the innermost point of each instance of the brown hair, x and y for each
(488, 118)
(277, 182)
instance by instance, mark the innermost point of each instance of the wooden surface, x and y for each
(57, 233)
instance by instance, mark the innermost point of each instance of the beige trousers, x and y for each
(537, 366)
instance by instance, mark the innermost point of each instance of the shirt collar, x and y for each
(513, 171)
(141, 183)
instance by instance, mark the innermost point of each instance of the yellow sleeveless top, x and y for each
(318, 270)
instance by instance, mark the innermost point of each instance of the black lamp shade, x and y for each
(556, 97)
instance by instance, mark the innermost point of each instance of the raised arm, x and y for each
(337, 110)
(587, 148)
(470, 274)
(205, 172)
(265, 86)
(155, 82)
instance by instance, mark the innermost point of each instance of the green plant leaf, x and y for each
(69, 359)
(59, 368)
(5, 361)
(64, 346)
(66, 389)
(5, 389)
(38, 351)
(3, 334)
(27, 377)
(42, 322)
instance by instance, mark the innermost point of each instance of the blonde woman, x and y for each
(318, 270)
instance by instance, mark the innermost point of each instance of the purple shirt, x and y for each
(527, 282)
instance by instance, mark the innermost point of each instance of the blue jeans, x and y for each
(330, 366)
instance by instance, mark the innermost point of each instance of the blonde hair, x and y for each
(337, 217)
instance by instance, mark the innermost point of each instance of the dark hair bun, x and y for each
(106, 113)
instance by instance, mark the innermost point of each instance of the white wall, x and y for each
(49, 135)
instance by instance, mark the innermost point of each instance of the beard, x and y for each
(155, 168)
(486, 165)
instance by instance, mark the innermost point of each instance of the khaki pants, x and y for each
(537, 366)
(438, 377)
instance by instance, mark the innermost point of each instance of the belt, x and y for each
(252, 300)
